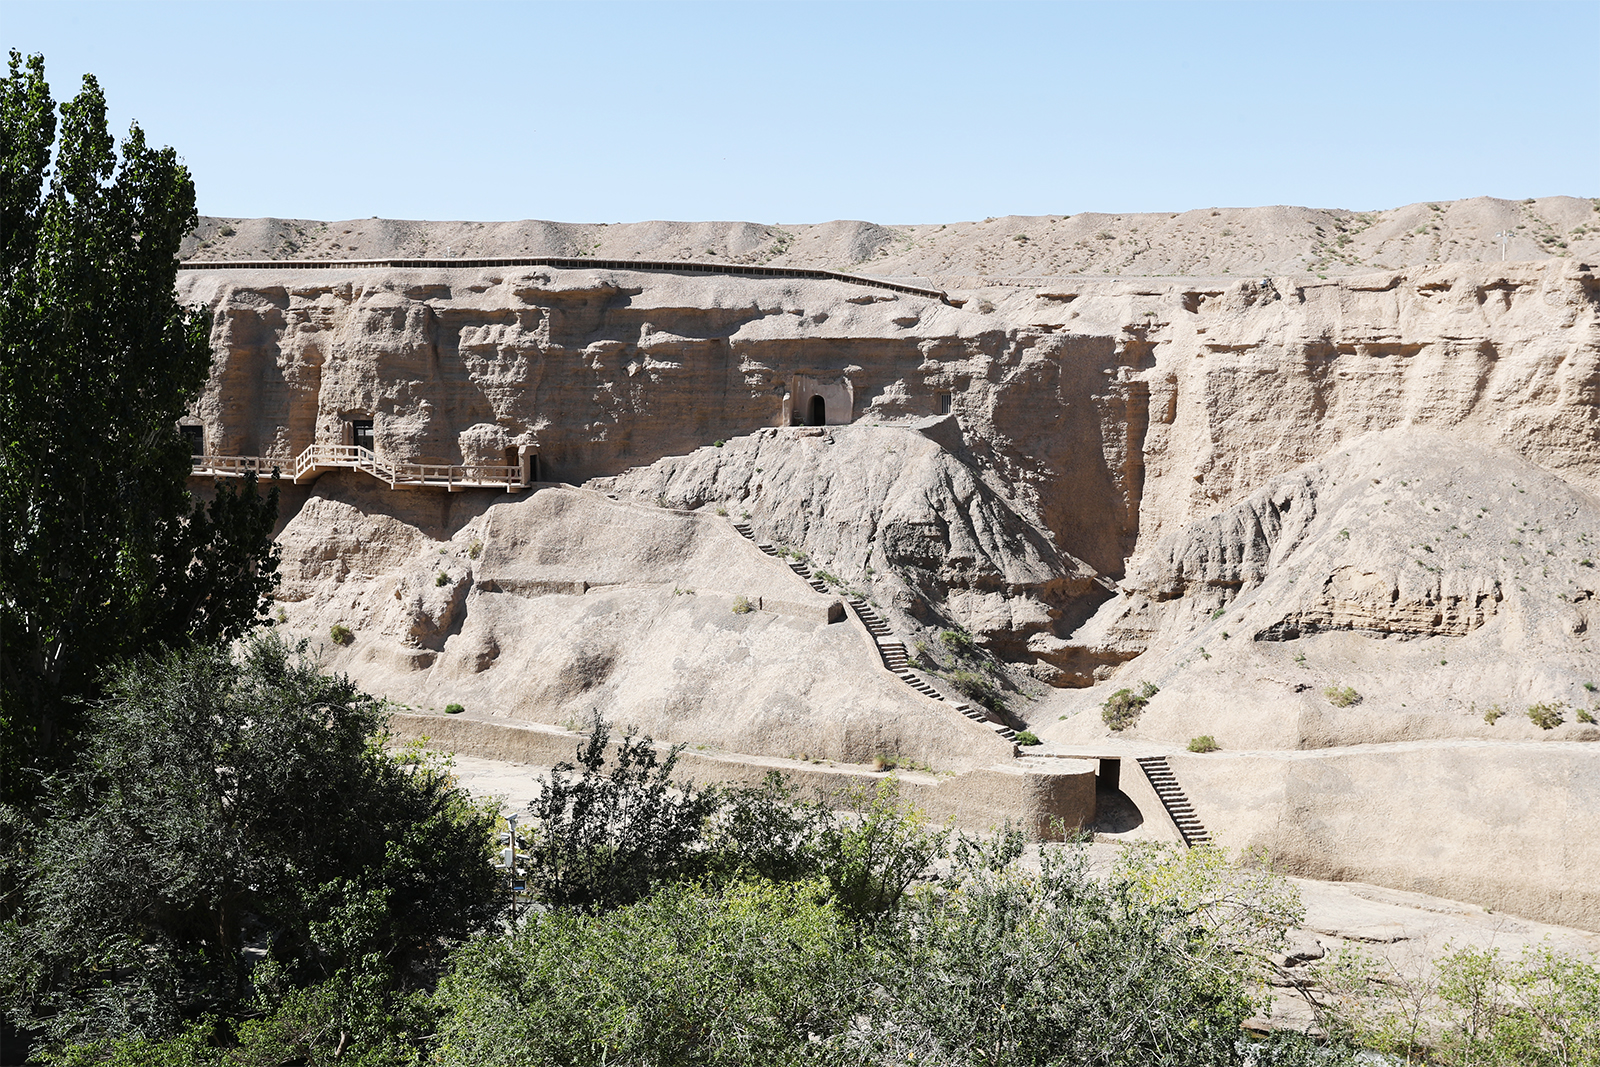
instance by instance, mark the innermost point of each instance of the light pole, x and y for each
(1504, 235)
(508, 856)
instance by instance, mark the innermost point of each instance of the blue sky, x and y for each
(894, 112)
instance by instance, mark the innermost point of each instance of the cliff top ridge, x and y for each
(1205, 242)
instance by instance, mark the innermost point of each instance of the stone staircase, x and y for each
(1165, 783)
(890, 648)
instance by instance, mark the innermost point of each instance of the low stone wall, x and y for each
(1044, 802)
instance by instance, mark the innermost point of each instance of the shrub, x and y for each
(1203, 743)
(341, 634)
(1493, 715)
(976, 687)
(1121, 709)
(957, 641)
(476, 550)
(1546, 716)
(453, 709)
(1341, 696)
(226, 231)
(721, 510)
(1028, 737)
(742, 605)
(1585, 715)
(441, 579)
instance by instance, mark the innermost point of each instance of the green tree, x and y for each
(102, 552)
(233, 833)
(757, 973)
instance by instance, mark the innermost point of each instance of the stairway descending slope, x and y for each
(890, 648)
(1174, 800)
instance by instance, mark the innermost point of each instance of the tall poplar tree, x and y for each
(103, 553)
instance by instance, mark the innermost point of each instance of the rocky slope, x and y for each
(1207, 242)
(1246, 493)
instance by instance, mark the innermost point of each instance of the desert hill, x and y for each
(1209, 242)
(1245, 492)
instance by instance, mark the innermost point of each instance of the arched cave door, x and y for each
(819, 411)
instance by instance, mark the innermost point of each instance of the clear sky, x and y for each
(893, 112)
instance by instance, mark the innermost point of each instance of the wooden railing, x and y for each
(319, 458)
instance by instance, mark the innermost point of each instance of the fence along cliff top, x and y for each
(566, 263)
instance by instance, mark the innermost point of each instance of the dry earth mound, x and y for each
(1205, 242)
(564, 603)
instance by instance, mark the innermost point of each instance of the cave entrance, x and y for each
(1110, 776)
(819, 411)
(361, 434)
(195, 438)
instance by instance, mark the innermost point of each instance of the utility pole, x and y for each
(1504, 235)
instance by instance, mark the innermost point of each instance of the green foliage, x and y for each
(957, 641)
(222, 802)
(870, 860)
(1475, 1009)
(602, 840)
(1203, 743)
(742, 605)
(104, 555)
(341, 634)
(1121, 709)
(441, 579)
(1341, 696)
(1057, 968)
(758, 973)
(1027, 737)
(976, 687)
(1585, 715)
(1546, 716)
(453, 709)
(475, 550)
(1494, 714)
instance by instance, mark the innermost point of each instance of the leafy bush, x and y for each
(1341, 696)
(1203, 743)
(1585, 715)
(600, 840)
(1121, 709)
(341, 634)
(957, 641)
(453, 709)
(1474, 1007)
(742, 605)
(758, 973)
(1493, 715)
(441, 579)
(1027, 737)
(977, 688)
(1546, 716)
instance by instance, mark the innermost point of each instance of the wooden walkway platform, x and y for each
(318, 459)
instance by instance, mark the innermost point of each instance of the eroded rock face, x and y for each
(1087, 422)
(1434, 578)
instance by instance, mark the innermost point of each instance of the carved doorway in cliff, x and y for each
(195, 438)
(819, 411)
(361, 434)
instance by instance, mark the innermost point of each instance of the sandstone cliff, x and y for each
(1244, 492)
